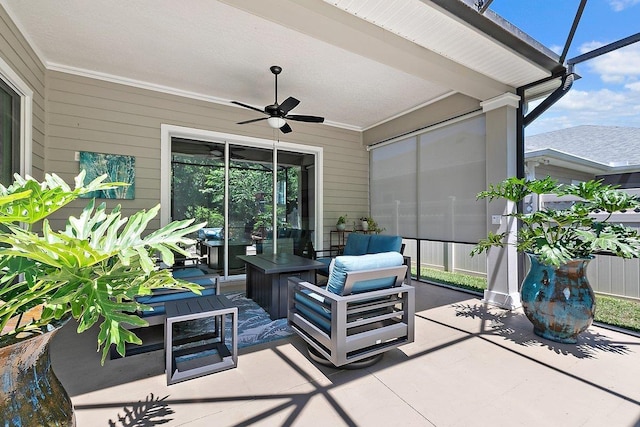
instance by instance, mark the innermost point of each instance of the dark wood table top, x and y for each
(197, 305)
(281, 263)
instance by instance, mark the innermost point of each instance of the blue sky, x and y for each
(609, 91)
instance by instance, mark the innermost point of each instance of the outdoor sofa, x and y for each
(361, 244)
(190, 270)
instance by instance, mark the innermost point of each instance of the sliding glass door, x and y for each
(254, 199)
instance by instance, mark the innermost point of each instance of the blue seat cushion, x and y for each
(157, 299)
(313, 307)
(383, 243)
(344, 264)
(357, 244)
(185, 273)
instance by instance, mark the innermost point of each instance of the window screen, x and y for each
(425, 186)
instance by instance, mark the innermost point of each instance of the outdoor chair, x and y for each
(360, 244)
(364, 311)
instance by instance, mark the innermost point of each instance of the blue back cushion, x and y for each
(344, 264)
(381, 243)
(357, 244)
(184, 273)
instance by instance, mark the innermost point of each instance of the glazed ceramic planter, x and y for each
(558, 301)
(31, 394)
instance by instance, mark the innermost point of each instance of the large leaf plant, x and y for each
(578, 231)
(92, 270)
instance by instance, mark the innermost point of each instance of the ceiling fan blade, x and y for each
(311, 119)
(286, 128)
(252, 120)
(248, 106)
(289, 104)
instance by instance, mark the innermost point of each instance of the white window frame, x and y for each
(11, 78)
(170, 131)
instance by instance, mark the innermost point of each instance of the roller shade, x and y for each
(425, 186)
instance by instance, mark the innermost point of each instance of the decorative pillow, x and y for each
(346, 263)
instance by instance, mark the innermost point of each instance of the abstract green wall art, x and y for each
(118, 169)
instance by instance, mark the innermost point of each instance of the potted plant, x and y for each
(364, 223)
(556, 295)
(341, 224)
(373, 226)
(91, 271)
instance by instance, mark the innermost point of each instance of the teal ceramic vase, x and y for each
(558, 301)
(30, 393)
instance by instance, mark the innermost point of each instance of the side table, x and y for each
(209, 357)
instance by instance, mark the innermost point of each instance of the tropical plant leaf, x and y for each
(93, 270)
(558, 235)
(491, 240)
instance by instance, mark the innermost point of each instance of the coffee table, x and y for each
(267, 276)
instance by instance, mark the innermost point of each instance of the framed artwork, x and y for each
(118, 169)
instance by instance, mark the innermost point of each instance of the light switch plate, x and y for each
(496, 219)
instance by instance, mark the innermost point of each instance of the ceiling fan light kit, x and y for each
(278, 114)
(276, 122)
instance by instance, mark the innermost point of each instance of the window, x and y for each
(256, 196)
(9, 133)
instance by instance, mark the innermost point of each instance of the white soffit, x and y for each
(221, 51)
(212, 51)
(429, 27)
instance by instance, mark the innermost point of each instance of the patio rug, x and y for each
(254, 327)
(254, 324)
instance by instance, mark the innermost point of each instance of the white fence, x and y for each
(607, 274)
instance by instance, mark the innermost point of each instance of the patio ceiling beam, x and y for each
(605, 49)
(332, 25)
(574, 26)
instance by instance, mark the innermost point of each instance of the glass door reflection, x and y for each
(231, 188)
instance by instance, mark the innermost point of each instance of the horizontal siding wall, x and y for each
(87, 114)
(563, 175)
(16, 52)
(447, 108)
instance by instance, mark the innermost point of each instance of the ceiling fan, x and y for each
(278, 114)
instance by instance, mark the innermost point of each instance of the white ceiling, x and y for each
(358, 63)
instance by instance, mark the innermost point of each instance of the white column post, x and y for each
(502, 263)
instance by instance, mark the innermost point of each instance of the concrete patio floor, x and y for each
(469, 366)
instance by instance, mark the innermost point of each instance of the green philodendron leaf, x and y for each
(557, 235)
(610, 242)
(55, 249)
(44, 198)
(491, 240)
(543, 186)
(92, 270)
(9, 198)
(554, 255)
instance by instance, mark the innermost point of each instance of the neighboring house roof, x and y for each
(608, 149)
